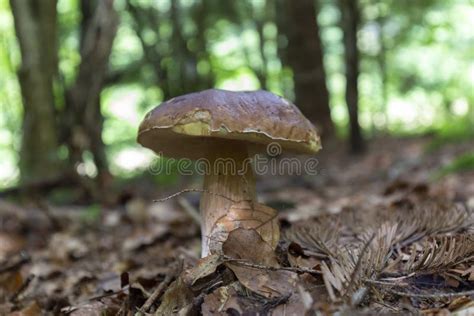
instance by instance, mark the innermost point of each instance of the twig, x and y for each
(395, 279)
(70, 309)
(157, 292)
(190, 210)
(434, 296)
(22, 288)
(245, 263)
(99, 297)
(269, 305)
(24, 258)
(385, 283)
(190, 191)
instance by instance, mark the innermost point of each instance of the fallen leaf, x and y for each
(10, 244)
(176, 298)
(459, 303)
(205, 267)
(295, 305)
(222, 300)
(248, 246)
(144, 239)
(65, 247)
(248, 215)
(89, 309)
(32, 309)
(11, 282)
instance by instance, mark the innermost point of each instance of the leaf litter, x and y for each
(380, 237)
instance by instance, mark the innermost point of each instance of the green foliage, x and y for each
(416, 63)
(454, 131)
(463, 163)
(91, 215)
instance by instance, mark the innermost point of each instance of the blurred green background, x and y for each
(416, 62)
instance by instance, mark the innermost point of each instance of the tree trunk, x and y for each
(35, 26)
(98, 29)
(304, 55)
(350, 21)
(179, 75)
(382, 62)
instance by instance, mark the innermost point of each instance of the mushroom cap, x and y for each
(195, 124)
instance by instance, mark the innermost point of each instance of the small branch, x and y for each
(70, 309)
(190, 210)
(384, 283)
(157, 292)
(433, 296)
(262, 267)
(25, 258)
(395, 279)
(189, 191)
(22, 288)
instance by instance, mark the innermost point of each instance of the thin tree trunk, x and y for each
(305, 56)
(350, 21)
(200, 17)
(147, 20)
(382, 62)
(98, 29)
(35, 26)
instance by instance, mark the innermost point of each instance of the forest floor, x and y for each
(382, 232)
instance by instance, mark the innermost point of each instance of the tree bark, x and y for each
(350, 22)
(179, 74)
(304, 54)
(98, 29)
(35, 26)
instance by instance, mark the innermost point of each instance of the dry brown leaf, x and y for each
(271, 284)
(299, 303)
(145, 238)
(10, 244)
(10, 282)
(32, 309)
(221, 300)
(248, 215)
(90, 309)
(176, 298)
(205, 267)
(64, 246)
(247, 245)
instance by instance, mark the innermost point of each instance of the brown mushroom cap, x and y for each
(194, 124)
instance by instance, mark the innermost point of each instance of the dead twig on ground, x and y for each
(432, 296)
(22, 288)
(160, 289)
(169, 197)
(24, 258)
(262, 267)
(190, 210)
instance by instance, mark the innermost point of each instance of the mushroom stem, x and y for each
(230, 179)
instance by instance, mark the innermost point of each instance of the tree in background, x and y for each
(350, 23)
(180, 59)
(82, 113)
(304, 55)
(36, 29)
(46, 98)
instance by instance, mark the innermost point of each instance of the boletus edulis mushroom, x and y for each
(225, 129)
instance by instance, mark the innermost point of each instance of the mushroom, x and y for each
(224, 129)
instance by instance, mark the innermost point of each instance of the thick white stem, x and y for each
(230, 180)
